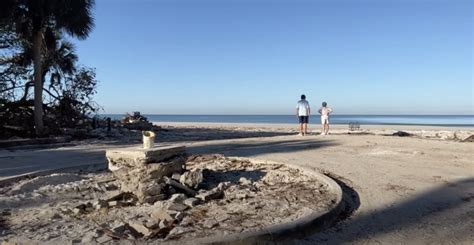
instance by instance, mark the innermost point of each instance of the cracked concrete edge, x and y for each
(301, 227)
(86, 167)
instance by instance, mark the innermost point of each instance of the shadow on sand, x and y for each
(190, 134)
(252, 148)
(449, 206)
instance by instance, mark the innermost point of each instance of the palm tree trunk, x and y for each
(37, 43)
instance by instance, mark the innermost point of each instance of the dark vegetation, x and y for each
(43, 88)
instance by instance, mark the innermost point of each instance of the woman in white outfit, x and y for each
(325, 111)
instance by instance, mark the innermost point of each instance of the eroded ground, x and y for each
(81, 207)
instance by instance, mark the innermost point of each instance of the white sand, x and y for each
(413, 190)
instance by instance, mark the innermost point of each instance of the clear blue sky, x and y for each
(257, 57)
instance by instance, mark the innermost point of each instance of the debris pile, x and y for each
(194, 197)
(136, 121)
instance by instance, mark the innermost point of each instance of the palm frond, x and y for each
(75, 17)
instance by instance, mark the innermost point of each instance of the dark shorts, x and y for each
(303, 119)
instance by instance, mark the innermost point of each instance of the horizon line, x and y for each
(289, 114)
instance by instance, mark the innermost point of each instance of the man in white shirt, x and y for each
(303, 112)
(325, 111)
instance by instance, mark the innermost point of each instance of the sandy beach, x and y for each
(416, 190)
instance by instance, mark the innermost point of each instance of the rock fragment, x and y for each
(215, 193)
(210, 223)
(177, 207)
(176, 176)
(103, 239)
(141, 228)
(161, 214)
(177, 185)
(191, 202)
(192, 178)
(245, 181)
(177, 231)
(179, 216)
(112, 203)
(177, 198)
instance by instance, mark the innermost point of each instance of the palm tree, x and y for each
(59, 61)
(34, 19)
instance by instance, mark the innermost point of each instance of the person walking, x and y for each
(325, 111)
(303, 112)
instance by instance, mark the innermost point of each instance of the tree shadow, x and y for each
(247, 149)
(30, 162)
(165, 135)
(191, 134)
(436, 208)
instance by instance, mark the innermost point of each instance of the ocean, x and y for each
(427, 120)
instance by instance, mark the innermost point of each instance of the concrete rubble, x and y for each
(139, 199)
(141, 171)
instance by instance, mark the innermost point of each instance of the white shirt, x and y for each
(303, 108)
(325, 111)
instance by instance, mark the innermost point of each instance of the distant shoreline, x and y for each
(315, 126)
(464, 121)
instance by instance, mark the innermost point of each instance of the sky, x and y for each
(258, 57)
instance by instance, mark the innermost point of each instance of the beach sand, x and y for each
(414, 190)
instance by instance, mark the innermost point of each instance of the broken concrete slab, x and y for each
(137, 156)
(141, 228)
(177, 207)
(103, 239)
